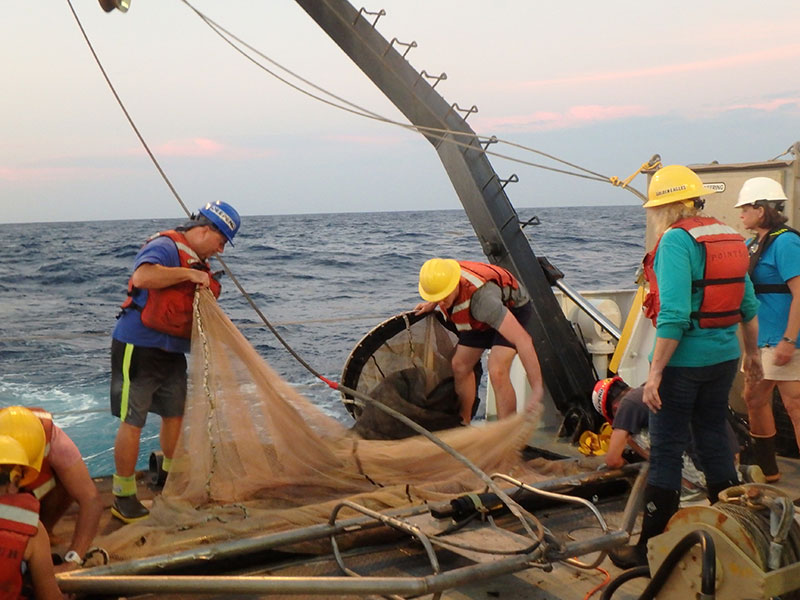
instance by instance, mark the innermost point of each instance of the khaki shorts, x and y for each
(788, 372)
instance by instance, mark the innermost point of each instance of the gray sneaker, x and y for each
(752, 474)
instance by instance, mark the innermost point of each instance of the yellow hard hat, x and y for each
(12, 453)
(21, 424)
(438, 277)
(675, 183)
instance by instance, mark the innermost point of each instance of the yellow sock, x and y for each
(123, 486)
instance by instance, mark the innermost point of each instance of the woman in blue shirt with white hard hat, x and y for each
(775, 271)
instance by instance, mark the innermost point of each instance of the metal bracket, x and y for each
(488, 142)
(438, 78)
(467, 111)
(503, 182)
(408, 46)
(377, 15)
(512, 179)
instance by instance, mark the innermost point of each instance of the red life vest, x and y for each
(473, 276)
(46, 480)
(19, 522)
(726, 265)
(169, 309)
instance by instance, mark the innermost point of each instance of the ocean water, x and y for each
(324, 280)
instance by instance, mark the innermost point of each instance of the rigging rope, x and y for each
(438, 133)
(519, 512)
(125, 111)
(166, 179)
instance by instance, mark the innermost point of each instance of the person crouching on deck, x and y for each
(490, 311)
(24, 546)
(63, 477)
(699, 293)
(152, 335)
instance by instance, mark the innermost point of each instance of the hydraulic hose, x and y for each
(708, 573)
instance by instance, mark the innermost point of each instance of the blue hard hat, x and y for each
(224, 217)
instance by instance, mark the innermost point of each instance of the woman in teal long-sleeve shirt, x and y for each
(699, 292)
(679, 261)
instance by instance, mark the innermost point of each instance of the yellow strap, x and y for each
(477, 503)
(649, 165)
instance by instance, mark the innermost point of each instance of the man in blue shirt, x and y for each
(153, 332)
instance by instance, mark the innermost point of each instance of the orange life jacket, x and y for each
(473, 276)
(19, 522)
(46, 480)
(169, 309)
(726, 265)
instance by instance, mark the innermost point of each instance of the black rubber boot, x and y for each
(715, 488)
(128, 509)
(764, 454)
(659, 506)
(628, 556)
(157, 476)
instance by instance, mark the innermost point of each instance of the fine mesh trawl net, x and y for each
(405, 364)
(255, 456)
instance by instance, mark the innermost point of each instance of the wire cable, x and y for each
(438, 133)
(126, 113)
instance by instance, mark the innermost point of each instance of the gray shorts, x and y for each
(489, 338)
(146, 380)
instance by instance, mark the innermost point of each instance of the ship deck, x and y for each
(408, 559)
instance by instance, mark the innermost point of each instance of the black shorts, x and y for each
(490, 337)
(146, 380)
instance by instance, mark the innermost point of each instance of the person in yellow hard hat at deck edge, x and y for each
(490, 310)
(23, 538)
(63, 477)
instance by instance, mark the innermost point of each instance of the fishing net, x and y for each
(405, 364)
(256, 457)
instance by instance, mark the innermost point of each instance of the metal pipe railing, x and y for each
(328, 586)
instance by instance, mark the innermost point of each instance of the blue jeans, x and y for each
(696, 398)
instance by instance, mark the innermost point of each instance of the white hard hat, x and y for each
(760, 188)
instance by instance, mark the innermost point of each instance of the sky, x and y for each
(604, 85)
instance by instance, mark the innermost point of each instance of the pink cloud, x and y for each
(726, 62)
(573, 117)
(192, 147)
(208, 148)
(766, 106)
